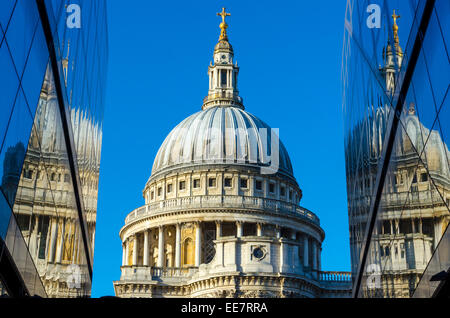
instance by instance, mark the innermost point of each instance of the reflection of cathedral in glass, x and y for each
(222, 215)
(414, 207)
(51, 111)
(44, 205)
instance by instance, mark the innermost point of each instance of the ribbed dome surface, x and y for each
(220, 135)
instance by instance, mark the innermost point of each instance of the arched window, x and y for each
(188, 252)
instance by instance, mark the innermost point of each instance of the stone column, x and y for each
(127, 251)
(34, 237)
(420, 226)
(124, 254)
(178, 246)
(93, 238)
(78, 244)
(239, 229)
(54, 232)
(282, 254)
(160, 246)
(258, 229)
(437, 231)
(305, 251)
(314, 255)
(319, 257)
(60, 247)
(69, 225)
(210, 80)
(47, 240)
(135, 250)
(413, 225)
(198, 244)
(218, 229)
(146, 248)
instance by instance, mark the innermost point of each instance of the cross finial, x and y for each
(395, 17)
(395, 27)
(223, 14)
(223, 26)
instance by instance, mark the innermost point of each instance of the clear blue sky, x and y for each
(289, 53)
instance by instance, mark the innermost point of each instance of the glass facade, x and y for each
(396, 109)
(53, 58)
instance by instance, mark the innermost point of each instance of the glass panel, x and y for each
(21, 31)
(413, 211)
(6, 12)
(5, 214)
(45, 204)
(14, 147)
(33, 76)
(9, 85)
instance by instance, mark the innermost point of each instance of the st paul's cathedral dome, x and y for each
(222, 215)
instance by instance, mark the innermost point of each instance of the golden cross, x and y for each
(223, 14)
(395, 17)
(395, 28)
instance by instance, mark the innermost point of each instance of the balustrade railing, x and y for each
(147, 272)
(218, 201)
(335, 276)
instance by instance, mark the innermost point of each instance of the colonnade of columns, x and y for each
(161, 247)
(309, 253)
(62, 239)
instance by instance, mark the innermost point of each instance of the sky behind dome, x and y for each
(289, 53)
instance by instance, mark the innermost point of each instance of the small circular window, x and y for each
(258, 253)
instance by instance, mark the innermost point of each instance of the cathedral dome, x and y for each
(221, 135)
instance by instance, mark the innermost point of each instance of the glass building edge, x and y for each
(58, 73)
(347, 72)
(32, 277)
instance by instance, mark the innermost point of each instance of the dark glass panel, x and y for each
(14, 147)
(9, 85)
(6, 12)
(5, 214)
(21, 31)
(34, 73)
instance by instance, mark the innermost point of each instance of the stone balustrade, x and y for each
(220, 201)
(335, 276)
(148, 273)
